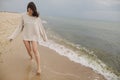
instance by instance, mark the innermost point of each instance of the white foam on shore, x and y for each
(98, 66)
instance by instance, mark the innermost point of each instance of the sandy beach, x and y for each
(15, 63)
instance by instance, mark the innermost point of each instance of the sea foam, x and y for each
(97, 65)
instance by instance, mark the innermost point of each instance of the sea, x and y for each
(93, 43)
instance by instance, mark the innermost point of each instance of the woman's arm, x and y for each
(18, 29)
(42, 30)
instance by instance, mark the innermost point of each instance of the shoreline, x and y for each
(53, 66)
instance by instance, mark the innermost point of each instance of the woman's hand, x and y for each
(10, 40)
(45, 39)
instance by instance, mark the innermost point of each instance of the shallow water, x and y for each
(101, 37)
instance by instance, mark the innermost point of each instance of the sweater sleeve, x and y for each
(18, 29)
(42, 30)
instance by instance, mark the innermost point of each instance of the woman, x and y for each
(33, 31)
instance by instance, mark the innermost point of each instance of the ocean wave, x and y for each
(92, 62)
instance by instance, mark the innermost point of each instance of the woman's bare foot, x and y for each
(31, 57)
(38, 72)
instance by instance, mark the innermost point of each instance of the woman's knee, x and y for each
(27, 45)
(34, 50)
(34, 46)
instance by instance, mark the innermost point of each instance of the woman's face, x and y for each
(30, 11)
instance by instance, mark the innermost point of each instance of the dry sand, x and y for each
(15, 63)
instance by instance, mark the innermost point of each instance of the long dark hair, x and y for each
(32, 6)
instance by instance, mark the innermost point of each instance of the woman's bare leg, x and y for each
(28, 47)
(37, 55)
